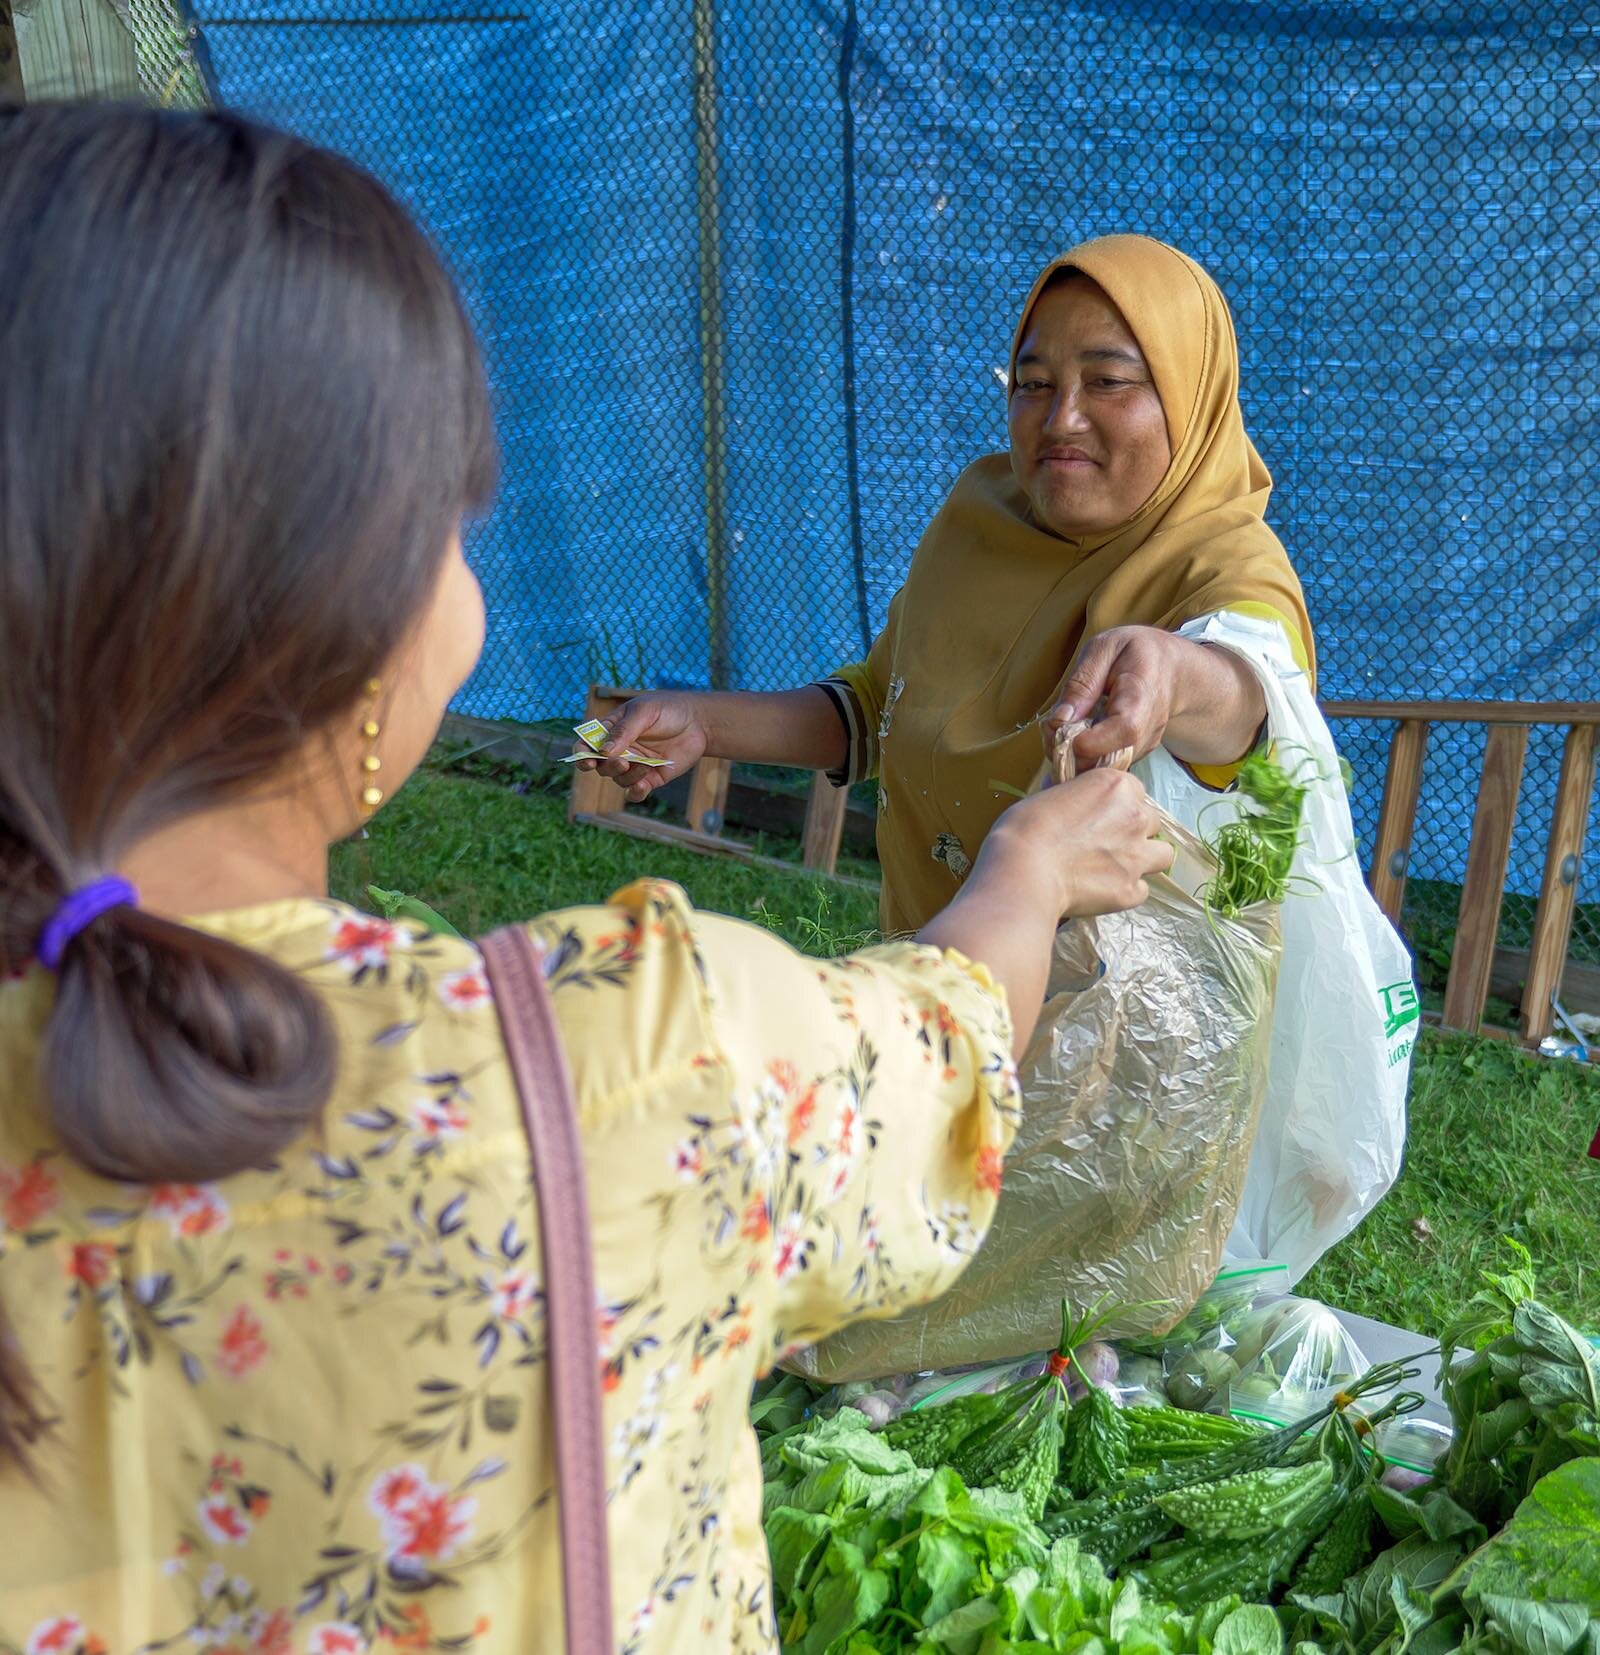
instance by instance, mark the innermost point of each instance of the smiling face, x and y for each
(1089, 441)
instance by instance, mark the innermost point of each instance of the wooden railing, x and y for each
(600, 802)
(1489, 849)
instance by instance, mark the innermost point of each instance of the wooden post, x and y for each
(1397, 818)
(75, 49)
(713, 386)
(1478, 922)
(10, 63)
(825, 810)
(1558, 893)
(708, 795)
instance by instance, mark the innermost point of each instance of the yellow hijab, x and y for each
(995, 606)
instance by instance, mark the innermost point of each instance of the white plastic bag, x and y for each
(1333, 1124)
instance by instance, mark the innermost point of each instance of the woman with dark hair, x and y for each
(273, 1348)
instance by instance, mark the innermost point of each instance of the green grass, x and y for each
(1497, 1139)
(484, 855)
(1496, 1147)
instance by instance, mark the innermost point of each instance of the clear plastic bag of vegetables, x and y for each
(1141, 1091)
(1271, 1362)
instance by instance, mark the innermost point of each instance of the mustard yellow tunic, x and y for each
(303, 1409)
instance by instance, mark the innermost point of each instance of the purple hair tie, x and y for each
(80, 909)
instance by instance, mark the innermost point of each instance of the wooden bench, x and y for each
(1473, 960)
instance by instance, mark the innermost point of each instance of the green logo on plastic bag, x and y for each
(1400, 1007)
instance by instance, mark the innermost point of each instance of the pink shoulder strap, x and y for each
(515, 970)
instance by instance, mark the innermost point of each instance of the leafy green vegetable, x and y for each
(1184, 1550)
(1096, 1447)
(1550, 1550)
(1524, 1402)
(872, 1555)
(1249, 1630)
(1255, 852)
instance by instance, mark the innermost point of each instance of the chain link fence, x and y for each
(166, 44)
(747, 275)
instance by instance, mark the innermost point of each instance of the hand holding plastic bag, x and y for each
(1141, 1092)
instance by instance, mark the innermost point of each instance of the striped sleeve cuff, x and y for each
(861, 755)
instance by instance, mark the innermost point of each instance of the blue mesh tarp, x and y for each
(747, 275)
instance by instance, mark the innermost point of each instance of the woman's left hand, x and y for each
(1143, 688)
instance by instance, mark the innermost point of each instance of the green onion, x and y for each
(1255, 853)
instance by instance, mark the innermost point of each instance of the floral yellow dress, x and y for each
(303, 1409)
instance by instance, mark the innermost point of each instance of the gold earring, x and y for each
(371, 764)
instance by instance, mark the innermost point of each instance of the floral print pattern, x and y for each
(323, 1379)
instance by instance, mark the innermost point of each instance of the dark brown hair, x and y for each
(241, 413)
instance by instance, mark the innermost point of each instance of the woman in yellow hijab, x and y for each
(1050, 586)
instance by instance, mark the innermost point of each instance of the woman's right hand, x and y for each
(1091, 840)
(1086, 846)
(665, 726)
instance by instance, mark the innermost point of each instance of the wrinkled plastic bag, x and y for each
(1141, 1092)
(1346, 1018)
(1278, 1361)
(885, 1399)
(1234, 1294)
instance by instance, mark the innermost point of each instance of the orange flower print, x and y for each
(844, 1131)
(439, 1118)
(91, 1262)
(991, 1166)
(243, 1346)
(800, 1115)
(272, 1634)
(418, 1633)
(362, 945)
(223, 1520)
(423, 1523)
(793, 1247)
(465, 990)
(336, 1638)
(756, 1225)
(739, 1336)
(395, 1489)
(514, 1293)
(63, 1635)
(28, 1195)
(190, 1209)
(432, 1528)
